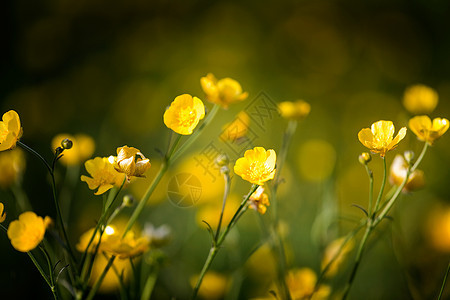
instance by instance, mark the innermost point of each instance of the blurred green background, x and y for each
(110, 68)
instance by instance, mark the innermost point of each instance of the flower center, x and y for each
(187, 117)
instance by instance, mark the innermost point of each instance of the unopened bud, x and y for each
(128, 201)
(222, 160)
(66, 144)
(409, 156)
(364, 158)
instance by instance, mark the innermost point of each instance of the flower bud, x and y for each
(66, 144)
(128, 201)
(222, 160)
(409, 156)
(364, 158)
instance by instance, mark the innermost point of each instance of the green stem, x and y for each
(443, 282)
(150, 284)
(359, 254)
(226, 176)
(370, 174)
(100, 279)
(216, 245)
(58, 210)
(51, 275)
(383, 184)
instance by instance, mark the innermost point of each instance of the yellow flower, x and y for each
(301, 282)
(380, 137)
(426, 130)
(104, 176)
(236, 129)
(259, 200)
(397, 174)
(257, 166)
(82, 149)
(10, 130)
(12, 165)
(2, 213)
(223, 92)
(184, 114)
(131, 162)
(420, 99)
(111, 281)
(437, 229)
(28, 231)
(112, 242)
(214, 285)
(332, 250)
(294, 110)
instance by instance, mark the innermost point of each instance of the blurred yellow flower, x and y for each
(104, 175)
(10, 130)
(259, 200)
(380, 137)
(263, 273)
(332, 250)
(214, 285)
(131, 162)
(398, 171)
(112, 242)
(210, 213)
(428, 131)
(12, 165)
(437, 229)
(28, 231)
(111, 282)
(294, 110)
(223, 92)
(420, 99)
(237, 128)
(2, 213)
(301, 284)
(316, 160)
(184, 114)
(126, 247)
(257, 166)
(82, 149)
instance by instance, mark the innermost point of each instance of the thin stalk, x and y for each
(100, 279)
(359, 254)
(216, 245)
(383, 184)
(370, 174)
(226, 177)
(51, 275)
(150, 284)
(443, 282)
(32, 151)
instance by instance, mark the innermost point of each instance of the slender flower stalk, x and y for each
(217, 241)
(373, 221)
(443, 282)
(58, 210)
(383, 184)
(100, 279)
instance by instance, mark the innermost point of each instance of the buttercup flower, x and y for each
(380, 137)
(301, 282)
(2, 213)
(259, 200)
(12, 165)
(131, 162)
(426, 130)
(10, 130)
(104, 175)
(294, 110)
(85, 238)
(126, 247)
(398, 171)
(28, 231)
(184, 114)
(237, 128)
(332, 250)
(437, 227)
(420, 99)
(257, 166)
(83, 147)
(223, 92)
(214, 285)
